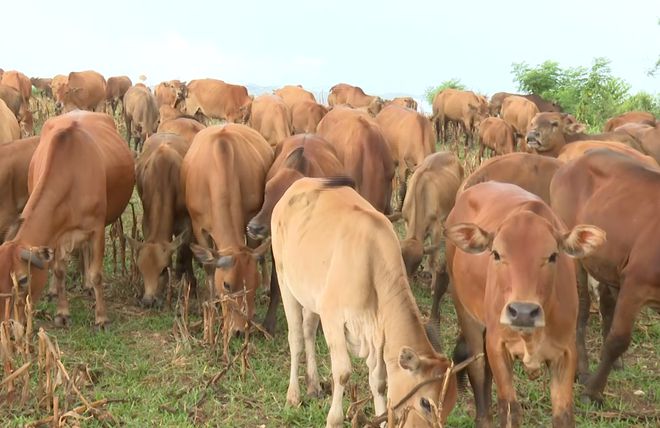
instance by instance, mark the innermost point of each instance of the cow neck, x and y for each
(41, 219)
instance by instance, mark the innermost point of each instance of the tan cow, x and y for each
(170, 93)
(411, 139)
(15, 159)
(20, 82)
(10, 130)
(496, 135)
(629, 117)
(56, 85)
(185, 127)
(612, 191)
(579, 148)
(158, 179)
(543, 105)
(43, 85)
(515, 293)
(140, 115)
(408, 102)
(463, 108)
(364, 152)
(216, 99)
(166, 112)
(354, 96)
(223, 176)
(115, 90)
(80, 179)
(519, 112)
(294, 94)
(362, 298)
(648, 137)
(12, 99)
(306, 115)
(271, 117)
(83, 90)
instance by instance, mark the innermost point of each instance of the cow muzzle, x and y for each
(533, 140)
(257, 230)
(523, 315)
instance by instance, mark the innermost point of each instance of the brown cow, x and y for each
(408, 102)
(223, 176)
(271, 117)
(140, 115)
(56, 85)
(12, 99)
(83, 90)
(10, 130)
(364, 152)
(317, 225)
(293, 95)
(629, 117)
(185, 127)
(80, 179)
(216, 99)
(464, 108)
(579, 148)
(354, 96)
(648, 137)
(20, 82)
(496, 135)
(115, 90)
(519, 112)
(43, 85)
(514, 288)
(497, 99)
(14, 163)
(158, 179)
(306, 115)
(431, 196)
(170, 93)
(411, 139)
(166, 112)
(606, 189)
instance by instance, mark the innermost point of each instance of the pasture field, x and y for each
(152, 375)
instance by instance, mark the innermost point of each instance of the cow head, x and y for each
(526, 253)
(29, 265)
(236, 280)
(547, 132)
(180, 92)
(153, 258)
(375, 106)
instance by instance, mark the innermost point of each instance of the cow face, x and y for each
(525, 255)
(547, 131)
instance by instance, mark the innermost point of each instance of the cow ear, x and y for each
(204, 255)
(38, 256)
(583, 240)
(408, 359)
(469, 237)
(259, 252)
(575, 128)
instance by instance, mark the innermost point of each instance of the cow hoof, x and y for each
(269, 327)
(593, 398)
(316, 393)
(62, 321)
(618, 364)
(147, 302)
(102, 326)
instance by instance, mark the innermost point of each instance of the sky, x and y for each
(385, 47)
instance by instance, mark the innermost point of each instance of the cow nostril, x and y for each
(513, 313)
(535, 313)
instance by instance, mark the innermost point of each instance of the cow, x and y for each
(496, 135)
(12, 99)
(364, 152)
(629, 117)
(602, 188)
(158, 179)
(548, 133)
(298, 156)
(403, 102)
(292, 95)
(411, 139)
(185, 127)
(83, 90)
(579, 148)
(354, 96)
(15, 159)
(306, 115)
(212, 98)
(56, 84)
(166, 112)
(115, 89)
(362, 298)
(515, 293)
(497, 99)
(431, 196)
(81, 178)
(223, 177)
(9, 128)
(20, 82)
(463, 108)
(647, 136)
(519, 112)
(170, 93)
(140, 115)
(271, 117)
(43, 85)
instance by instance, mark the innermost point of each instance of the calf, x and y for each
(140, 115)
(271, 117)
(519, 112)
(496, 135)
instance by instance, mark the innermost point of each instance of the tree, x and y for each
(431, 91)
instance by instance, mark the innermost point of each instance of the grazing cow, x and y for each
(603, 188)
(432, 193)
(12, 91)
(115, 90)
(80, 179)
(364, 152)
(56, 85)
(158, 179)
(140, 115)
(464, 108)
(648, 137)
(362, 298)
(170, 93)
(216, 99)
(519, 112)
(223, 176)
(408, 102)
(497, 99)
(10, 130)
(548, 133)
(15, 159)
(306, 115)
(629, 117)
(83, 90)
(166, 112)
(354, 96)
(514, 288)
(496, 135)
(43, 85)
(271, 117)
(411, 139)
(185, 127)
(12, 99)
(20, 82)
(293, 95)
(579, 148)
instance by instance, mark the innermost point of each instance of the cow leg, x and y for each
(439, 276)
(184, 265)
(333, 329)
(582, 322)
(59, 270)
(127, 121)
(631, 299)
(401, 178)
(310, 324)
(294, 319)
(481, 152)
(94, 276)
(607, 303)
(377, 379)
(509, 410)
(270, 320)
(561, 389)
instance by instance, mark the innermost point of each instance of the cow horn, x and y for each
(32, 258)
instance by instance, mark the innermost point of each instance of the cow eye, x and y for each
(553, 257)
(22, 281)
(226, 286)
(496, 256)
(425, 404)
(554, 124)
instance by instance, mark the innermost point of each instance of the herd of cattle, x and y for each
(315, 184)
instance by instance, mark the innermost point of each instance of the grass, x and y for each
(152, 379)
